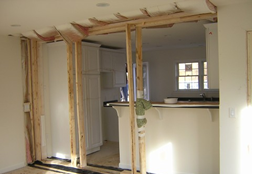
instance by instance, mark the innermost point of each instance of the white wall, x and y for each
(233, 22)
(12, 138)
(162, 66)
(57, 101)
(184, 141)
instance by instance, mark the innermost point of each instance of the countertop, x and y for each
(179, 104)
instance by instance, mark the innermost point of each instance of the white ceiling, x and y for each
(21, 16)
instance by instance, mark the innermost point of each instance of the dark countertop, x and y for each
(179, 104)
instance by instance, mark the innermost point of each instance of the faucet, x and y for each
(203, 95)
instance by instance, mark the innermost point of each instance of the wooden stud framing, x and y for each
(150, 22)
(131, 96)
(79, 103)
(36, 102)
(142, 146)
(71, 105)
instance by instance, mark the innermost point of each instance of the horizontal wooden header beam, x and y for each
(150, 22)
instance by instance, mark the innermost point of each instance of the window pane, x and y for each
(195, 65)
(181, 66)
(181, 72)
(205, 82)
(188, 75)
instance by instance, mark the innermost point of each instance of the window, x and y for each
(192, 75)
(205, 76)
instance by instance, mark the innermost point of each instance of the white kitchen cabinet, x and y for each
(212, 55)
(106, 60)
(112, 66)
(92, 111)
(90, 54)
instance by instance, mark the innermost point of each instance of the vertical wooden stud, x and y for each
(71, 105)
(79, 103)
(31, 97)
(131, 96)
(36, 102)
(142, 146)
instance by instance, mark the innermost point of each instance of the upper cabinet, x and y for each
(90, 54)
(112, 67)
(212, 55)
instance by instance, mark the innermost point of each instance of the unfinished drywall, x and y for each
(12, 137)
(234, 21)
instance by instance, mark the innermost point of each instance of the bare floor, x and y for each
(107, 156)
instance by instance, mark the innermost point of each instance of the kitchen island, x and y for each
(180, 138)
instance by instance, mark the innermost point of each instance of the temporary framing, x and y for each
(70, 37)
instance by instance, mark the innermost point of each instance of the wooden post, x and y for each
(31, 97)
(79, 103)
(71, 105)
(131, 95)
(36, 102)
(142, 148)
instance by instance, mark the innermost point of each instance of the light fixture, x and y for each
(102, 4)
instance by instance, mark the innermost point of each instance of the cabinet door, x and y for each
(90, 60)
(119, 61)
(119, 65)
(92, 108)
(105, 60)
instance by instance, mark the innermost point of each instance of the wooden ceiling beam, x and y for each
(145, 12)
(150, 22)
(47, 39)
(97, 22)
(121, 17)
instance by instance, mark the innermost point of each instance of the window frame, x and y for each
(200, 75)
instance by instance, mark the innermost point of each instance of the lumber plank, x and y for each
(131, 96)
(71, 106)
(79, 103)
(142, 145)
(150, 22)
(36, 107)
(31, 98)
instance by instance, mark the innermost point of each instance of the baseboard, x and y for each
(13, 167)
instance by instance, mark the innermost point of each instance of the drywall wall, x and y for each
(184, 141)
(234, 21)
(58, 100)
(162, 66)
(12, 138)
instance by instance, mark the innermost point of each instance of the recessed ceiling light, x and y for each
(15, 25)
(102, 4)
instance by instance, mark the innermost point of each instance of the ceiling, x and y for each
(19, 18)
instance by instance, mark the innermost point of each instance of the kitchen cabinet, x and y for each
(90, 54)
(92, 111)
(56, 95)
(112, 67)
(212, 55)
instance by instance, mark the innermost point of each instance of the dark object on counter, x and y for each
(210, 99)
